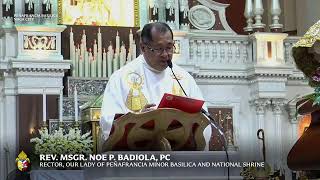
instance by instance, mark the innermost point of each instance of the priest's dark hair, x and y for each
(161, 27)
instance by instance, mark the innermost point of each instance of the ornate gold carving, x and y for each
(136, 13)
(39, 42)
(311, 36)
(176, 90)
(59, 11)
(135, 99)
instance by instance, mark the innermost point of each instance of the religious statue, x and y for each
(153, 10)
(184, 7)
(170, 6)
(48, 4)
(7, 3)
(30, 4)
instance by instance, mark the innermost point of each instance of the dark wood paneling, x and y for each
(30, 117)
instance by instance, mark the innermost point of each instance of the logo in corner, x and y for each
(23, 162)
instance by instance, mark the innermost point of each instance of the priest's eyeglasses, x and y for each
(169, 49)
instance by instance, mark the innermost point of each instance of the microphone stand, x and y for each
(209, 117)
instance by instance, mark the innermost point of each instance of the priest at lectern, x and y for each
(139, 85)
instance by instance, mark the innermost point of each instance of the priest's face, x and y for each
(158, 51)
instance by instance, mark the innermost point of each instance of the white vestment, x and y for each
(137, 84)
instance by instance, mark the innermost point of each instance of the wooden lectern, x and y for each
(163, 129)
(304, 155)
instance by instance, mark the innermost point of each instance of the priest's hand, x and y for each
(148, 107)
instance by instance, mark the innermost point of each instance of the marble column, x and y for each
(54, 12)
(37, 10)
(19, 7)
(260, 107)
(144, 14)
(291, 108)
(294, 122)
(19, 10)
(9, 48)
(10, 121)
(47, 7)
(3, 171)
(277, 106)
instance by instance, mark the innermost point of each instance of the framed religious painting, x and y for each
(121, 13)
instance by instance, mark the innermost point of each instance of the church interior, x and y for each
(56, 57)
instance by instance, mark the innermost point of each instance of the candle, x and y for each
(95, 49)
(130, 40)
(84, 37)
(134, 51)
(77, 63)
(109, 63)
(99, 59)
(95, 59)
(44, 106)
(116, 62)
(83, 44)
(104, 63)
(81, 53)
(72, 58)
(75, 104)
(93, 66)
(81, 64)
(129, 57)
(86, 64)
(123, 55)
(109, 59)
(61, 105)
(117, 43)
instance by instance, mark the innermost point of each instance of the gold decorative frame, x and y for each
(59, 11)
(135, 9)
(136, 13)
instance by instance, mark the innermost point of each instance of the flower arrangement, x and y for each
(306, 53)
(59, 143)
(309, 65)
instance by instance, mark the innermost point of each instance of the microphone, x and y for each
(170, 64)
(207, 114)
(203, 111)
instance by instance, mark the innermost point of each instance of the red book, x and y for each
(185, 104)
